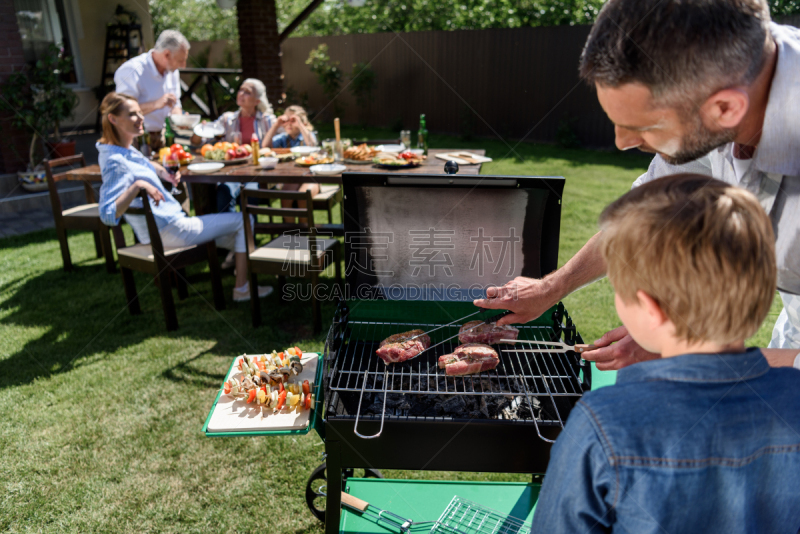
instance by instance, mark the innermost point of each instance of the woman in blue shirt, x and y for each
(126, 172)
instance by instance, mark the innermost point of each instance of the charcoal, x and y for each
(484, 409)
(454, 405)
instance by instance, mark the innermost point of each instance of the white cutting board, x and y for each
(450, 156)
(235, 415)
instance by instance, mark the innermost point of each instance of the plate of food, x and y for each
(362, 154)
(267, 392)
(227, 153)
(404, 160)
(313, 159)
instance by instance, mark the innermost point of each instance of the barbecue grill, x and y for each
(408, 241)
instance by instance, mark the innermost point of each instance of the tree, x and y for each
(338, 17)
(197, 20)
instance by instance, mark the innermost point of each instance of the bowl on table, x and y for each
(327, 169)
(304, 150)
(185, 121)
(267, 162)
(392, 149)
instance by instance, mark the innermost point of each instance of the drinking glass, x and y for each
(405, 138)
(172, 166)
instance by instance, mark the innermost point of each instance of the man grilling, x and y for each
(711, 87)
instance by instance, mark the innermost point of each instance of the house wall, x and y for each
(14, 149)
(91, 38)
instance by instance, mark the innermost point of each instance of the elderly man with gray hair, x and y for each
(152, 78)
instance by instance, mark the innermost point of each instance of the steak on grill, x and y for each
(399, 347)
(490, 334)
(468, 359)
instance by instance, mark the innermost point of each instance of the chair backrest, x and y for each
(152, 228)
(49, 166)
(275, 227)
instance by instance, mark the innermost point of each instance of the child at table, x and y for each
(298, 130)
(706, 438)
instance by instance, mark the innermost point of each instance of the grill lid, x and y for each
(444, 237)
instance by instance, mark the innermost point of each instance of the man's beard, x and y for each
(698, 142)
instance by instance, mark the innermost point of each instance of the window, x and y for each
(42, 23)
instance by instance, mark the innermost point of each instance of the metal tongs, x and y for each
(490, 320)
(559, 346)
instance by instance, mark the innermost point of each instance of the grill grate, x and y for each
(550, 378)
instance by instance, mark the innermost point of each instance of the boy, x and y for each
(707, 438)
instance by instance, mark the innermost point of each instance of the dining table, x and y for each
(203, 184)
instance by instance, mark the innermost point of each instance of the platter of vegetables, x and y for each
(271, 391)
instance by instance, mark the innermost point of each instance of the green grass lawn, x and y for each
(102, 410)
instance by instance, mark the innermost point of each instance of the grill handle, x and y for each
(360, 398)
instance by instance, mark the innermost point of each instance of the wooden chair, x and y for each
(328, 197)
(305, 256)
(83, 217)
(162, 263)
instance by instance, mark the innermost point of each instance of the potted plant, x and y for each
(39, 100)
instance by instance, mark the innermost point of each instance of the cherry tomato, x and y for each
(175, 147)
(306, 387)
(227, 388)
(308, 402)
(298, 351)
(280, 355)
(261, 366)
(173, 157)
(251, 396)
(280, 387)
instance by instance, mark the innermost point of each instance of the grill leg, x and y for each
(333, 503)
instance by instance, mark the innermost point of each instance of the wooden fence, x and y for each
(510, 83)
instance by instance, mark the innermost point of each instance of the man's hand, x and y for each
(528, 298)
(624, 352)
(152, 191)
(167, 100)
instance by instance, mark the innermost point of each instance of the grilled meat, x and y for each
(468, 359)
(491, 334)
(399, 347)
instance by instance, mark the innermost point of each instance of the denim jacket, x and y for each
(700, 443)
(120, 167)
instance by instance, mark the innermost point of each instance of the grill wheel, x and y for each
(315, 487)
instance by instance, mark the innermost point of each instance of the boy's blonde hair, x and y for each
(703, 249)
(301, 113)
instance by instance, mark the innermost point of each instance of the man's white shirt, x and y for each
(138, 77)
(773, 176)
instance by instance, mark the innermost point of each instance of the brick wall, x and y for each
(260, 48)
(14, 148)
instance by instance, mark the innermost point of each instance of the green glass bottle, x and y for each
(169, 134)
(422, 135)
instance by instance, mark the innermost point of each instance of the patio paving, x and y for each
(20, 223)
